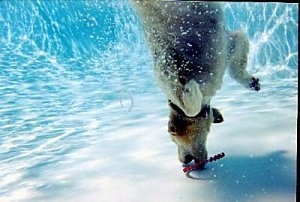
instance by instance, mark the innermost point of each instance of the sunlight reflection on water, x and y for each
(68, 69)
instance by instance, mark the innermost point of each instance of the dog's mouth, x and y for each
(197, 156)
(188, 158)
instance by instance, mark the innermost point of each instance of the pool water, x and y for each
(78, 101)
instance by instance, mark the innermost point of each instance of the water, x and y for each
(76, 85)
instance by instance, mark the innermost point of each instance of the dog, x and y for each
(191, 50)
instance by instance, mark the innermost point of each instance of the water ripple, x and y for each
(65, 66)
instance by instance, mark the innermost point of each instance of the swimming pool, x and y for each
(83, 119)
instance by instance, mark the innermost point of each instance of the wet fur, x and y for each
(191, 50)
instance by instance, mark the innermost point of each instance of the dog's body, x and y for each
(191, 50)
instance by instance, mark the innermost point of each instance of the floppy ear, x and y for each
(217, 116)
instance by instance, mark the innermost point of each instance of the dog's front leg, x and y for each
(192, 98)
(237, 58)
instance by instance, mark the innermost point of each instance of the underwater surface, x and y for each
(82, 118)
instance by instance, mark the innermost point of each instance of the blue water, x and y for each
(65, 64)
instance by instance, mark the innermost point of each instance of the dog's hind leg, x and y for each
(237, 58)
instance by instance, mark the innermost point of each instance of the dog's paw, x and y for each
(254, 84)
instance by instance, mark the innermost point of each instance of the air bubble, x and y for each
(126, 100)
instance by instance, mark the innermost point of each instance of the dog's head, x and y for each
(190, 133)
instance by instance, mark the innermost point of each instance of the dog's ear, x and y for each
(217, 116)
(177, 125)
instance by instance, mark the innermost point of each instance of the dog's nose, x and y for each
(188, 158)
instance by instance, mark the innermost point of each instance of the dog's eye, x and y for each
(172, 130)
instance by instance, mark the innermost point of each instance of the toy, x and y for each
(203, 163)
